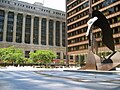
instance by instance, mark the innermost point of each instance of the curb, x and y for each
(94, 72)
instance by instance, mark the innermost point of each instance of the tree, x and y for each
(1, 54)
(28, 61)
(43, 56)
(11, 54)
(82, 60)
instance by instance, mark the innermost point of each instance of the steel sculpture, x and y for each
(95, 62)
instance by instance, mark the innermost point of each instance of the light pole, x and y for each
(67, 59)
(90, 37)
(90, 60)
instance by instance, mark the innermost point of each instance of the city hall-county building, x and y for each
(77, 17)
(32, 27)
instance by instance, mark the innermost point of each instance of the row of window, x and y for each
(97, 7)
(82, 22)
(83, 6)
(26, 6)
(112, 10)
(5, 1)
(77, 40)
(77, 32)
(77, 24)
(77, 48)
(79, 57)
(85, 46)
(78, 16)
(19, 28)
(78, 9)
(83, 30)
(31, 7)
(115, 30)
(105, 3)
(78, 2)
(114, 20)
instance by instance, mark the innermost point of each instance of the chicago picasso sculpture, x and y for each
(94, 61)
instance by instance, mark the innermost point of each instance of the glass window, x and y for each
(118, 18)
(27, 54)
(19, 28)
(57, 33)
(2, 14)
(10, 24)
(51, 32)
(71, 57)
(43, 31)
(27, 29)
(36, 30)
(63, 34)
(58, 55)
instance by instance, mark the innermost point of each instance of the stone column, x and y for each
(31, 36)
(14, 27)
(23, 28)
(39, 36)
(61, 33)
(5, 25)
(61, 55)
(47, 32)
(54, 33)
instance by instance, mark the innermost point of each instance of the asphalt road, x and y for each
(57, 80)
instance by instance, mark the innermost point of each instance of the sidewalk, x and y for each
(117, 71)
(29, 68)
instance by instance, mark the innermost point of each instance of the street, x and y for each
(57, 80)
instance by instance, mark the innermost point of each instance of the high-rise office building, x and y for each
(32, 27)
(77, 17)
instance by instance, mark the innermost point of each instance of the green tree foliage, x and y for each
(82, 60)
(28, 61)
(11, 54)
(43, 56)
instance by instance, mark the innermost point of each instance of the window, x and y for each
(51, 32)
(36, 30)
(58, 55)
(27, 29)
(19, 28)
(10, 24)
(118, 18)
(71, 57)
(27, 54)
(43, 31)
(2, 13)
(57, 33)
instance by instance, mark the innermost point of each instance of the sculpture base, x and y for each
(94, 62)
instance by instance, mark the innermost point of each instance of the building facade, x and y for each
(77, 17)
(32, 27)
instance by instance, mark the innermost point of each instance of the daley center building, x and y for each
(32, 27)
(77, 17)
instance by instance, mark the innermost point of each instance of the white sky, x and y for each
(54, 4)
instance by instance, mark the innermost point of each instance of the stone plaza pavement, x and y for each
(29, 68)
(29, 78)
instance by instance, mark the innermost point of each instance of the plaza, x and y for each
(52, 79)
(33, 27)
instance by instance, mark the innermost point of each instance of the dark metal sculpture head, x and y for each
(107, 36)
